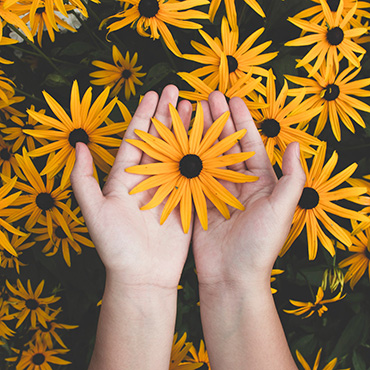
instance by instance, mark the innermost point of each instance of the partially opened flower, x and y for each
(329, 366)
(332, 39)
(318, 198)
(85, 125)
(155, 15)
(179, 350)
(199, 357)
(188, 167)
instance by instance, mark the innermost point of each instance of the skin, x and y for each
(233, 258)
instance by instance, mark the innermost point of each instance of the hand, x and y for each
(244, 248)
(129, 241)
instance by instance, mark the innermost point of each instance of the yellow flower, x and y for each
(122, 74)
(8, 163)
(29, 303)
(178, 353)
(329, 38)
(38, 357)
(334, 278)
(200, 357)
(84, 125)
(333, 93)
(188, 167)
(274, 122)
(273, 278)
(329, 366)
(225, 62)
(5, 331)
(318, 306)
(154, 14)
(317, 199)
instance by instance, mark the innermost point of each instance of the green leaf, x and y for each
(358, 362)
(76, 48)
(55, 80)
(155, 75)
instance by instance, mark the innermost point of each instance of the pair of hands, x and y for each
(134, 246)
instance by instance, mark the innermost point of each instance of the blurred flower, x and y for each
(17, 133)
(38, 357)
(3, 42)
(7, 98)
(310, 308)
(5, 331)
(200, 357)
(275, 121)
(225, 62)
(188, 167)
(39, 198)
(178, 353)
(154, 14)
(273, 278)
(331, 37)
(359, 261)
(8, 163)
(60, 238)
(19, 245)
(122, 74)
(30, 303)
(84, 125)
(333, 94)
(334, 278)
(329, 366)
(317, 199)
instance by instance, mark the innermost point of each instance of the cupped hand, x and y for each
(131, 242)
(244, 248)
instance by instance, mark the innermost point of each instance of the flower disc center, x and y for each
(367, 253)
(7, 254)
(148, 8)
(232, 63)
(48, 327)
(191, 166)
(331, 92)
(40, 10)
(78, 134)
(335, 36)
(38, 359)
(59, 232)
(28, 126)
(309, 198)
(4, 154)
(270, 127)
(126, 74)
(333, 5)
(32, 304)
(45, 201)
(203, 367)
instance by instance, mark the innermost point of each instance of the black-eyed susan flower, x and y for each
(359, 261)
(311, 307)
(199, 357)
(245, 88)
(335, 93)
(225, 61)
(8, 163)
(7, 99)
(179, 350)
(85, 125)
(5, 331)
(46, 334)
(19, 244)
(188, 166)
(306, 366)
(332, 39)
(38, 357)
(156, 14)
(39, 198)
(318, 198)
(16, 133)
(123, 74)
(5, 202)
(59, 239)
(277, 122)
(29, 303)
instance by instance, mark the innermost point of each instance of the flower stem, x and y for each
(38, 100)
(169, 55)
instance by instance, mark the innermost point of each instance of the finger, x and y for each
(288, 189)
(85, 187)
(218, 106)
(185, 110)
(251, 141)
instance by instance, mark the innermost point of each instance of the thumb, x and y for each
(85, 187)
(288, 189)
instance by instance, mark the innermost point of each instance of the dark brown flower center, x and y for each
(28, 127)
(38, 359)
(367, 253)
(203, 367)
(48, 327)
(335, 36)
(59, 232)
(44, 201)
(32, 304)
(78, 134)
(270, 127)
(331, 92)
(4, 154)
(148, 8)
(7, 254)
(309, 198)
(232, 63)
(317, 307)
(333, 5)
(126, 74)
(40, 10)
(191, 166)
